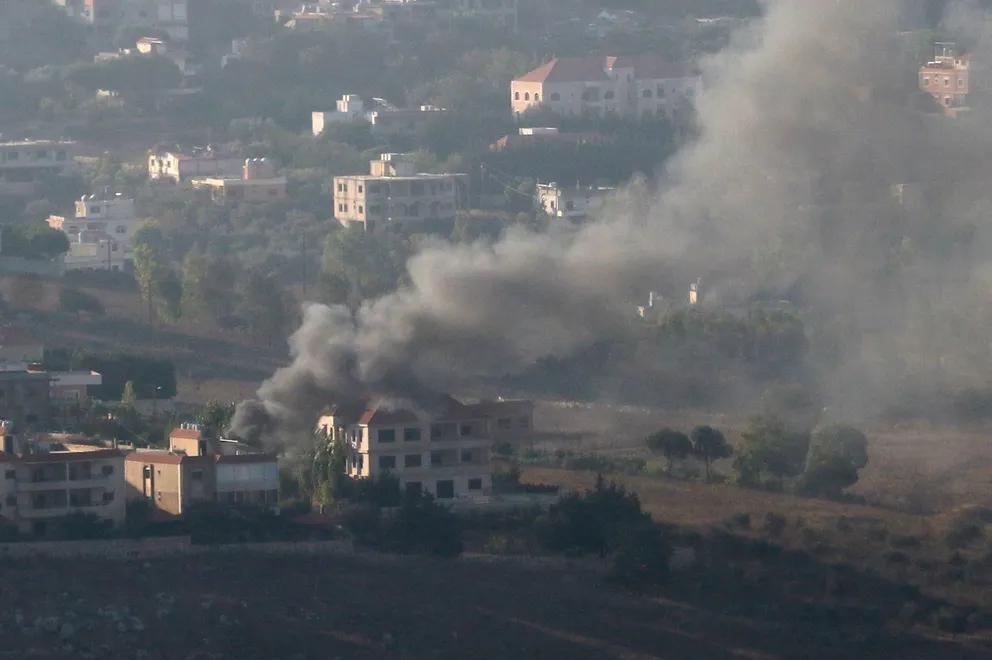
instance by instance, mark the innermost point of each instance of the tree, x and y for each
(359, 265)
(262, 305)
(709, 444)
(835, 455)
(128, 396)
(215, 417)
(674, 445)
(770, 447)
(146, 268)
(168, 293)
(595, 521)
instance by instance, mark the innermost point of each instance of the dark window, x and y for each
(475, 484)
(608, 95)
(411, 434)
(445, 490)
(516, 96)
(10, 474)
(107, 470)
(465, 429)
(387, 462)
(147, 472)
(108, 497)
(197, 475)
(414, 487)
(466, 456)
(436, 458)
(12, 500)
(504, 423)
(523, 422)
(387, 435)
(647, 94)
(413, 460)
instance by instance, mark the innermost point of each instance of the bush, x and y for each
(422, 526)
(592, 522)
(210, 523)
(641, 557)
(74, 301)
(774, 524)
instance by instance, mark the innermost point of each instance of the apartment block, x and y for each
(46, 479)
(25, 164)
(394, 195)
(258, 183)
(637, 87)
(25, 396)
(947, 78)
(446, 454)
(100, 233)
(179, 166)
(196, 469)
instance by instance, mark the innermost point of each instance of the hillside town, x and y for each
(495, 328)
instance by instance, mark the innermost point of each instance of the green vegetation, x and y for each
(673, 445)
(33, 241)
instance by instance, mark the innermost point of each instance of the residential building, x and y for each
(571, 203)
(393, 195)
(446, 454)
(25, 164)
(25, 396)
(258, 183)
(42, 480)
(179, 166)
(535, 136)
(639, 87)
(169, 16)
(385, 118)
(100, 233)
(72, 387)
(196, 469)
(947, 78)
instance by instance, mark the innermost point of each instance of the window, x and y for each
(961, 83)
(516, 96)
(504, 423)
(647, 93)
(60, 155)
(570, 205)
(555, 96)
(464, 430)
(537, 97)
(108, 497)
(411, 434)
(590, 94)
(10, 474)
(661, 92)
(107, 470)
(12, 500)
(413, 460)
(197, 475)
(414, 487)
(475, 484)
(436, 458)
(387, 435)
(926, 80)
(95, 210)
(608, 95)
(387, 462)
(361, 209)
(361, 188)
(523, 423)
(947, 81)
(466, 456)
(526, 96)
(445, 490)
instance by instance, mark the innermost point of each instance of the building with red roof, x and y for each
(598, 86)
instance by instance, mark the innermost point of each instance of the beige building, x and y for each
(179, 166)
(24, 164)
(198, 469)
(258, 183)
(393, 195)
(49, 480)
(574, 204)
(947, 78)
(100, 233)
(446, 455)
(638, 87)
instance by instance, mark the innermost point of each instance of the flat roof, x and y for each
(36, 143)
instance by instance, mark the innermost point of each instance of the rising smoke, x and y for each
(809, 119)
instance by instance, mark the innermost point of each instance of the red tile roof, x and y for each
(594, 68)
(154, 457)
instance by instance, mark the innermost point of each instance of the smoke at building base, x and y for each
(816, 177)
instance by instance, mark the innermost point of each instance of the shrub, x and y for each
(80, 526)
(774, 524)
(422, 526)
(641, 557)
(591, 522)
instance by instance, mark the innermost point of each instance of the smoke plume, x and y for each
(809, 119)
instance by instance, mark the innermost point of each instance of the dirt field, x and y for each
(252, 607)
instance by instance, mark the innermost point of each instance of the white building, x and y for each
(179, 166)
(385, 118)
(101, 232)
(571, 203)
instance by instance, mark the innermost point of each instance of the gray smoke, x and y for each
(808, 120)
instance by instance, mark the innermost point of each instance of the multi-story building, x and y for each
(25, 164)
(393, 195)
(100, 233)
(43, 480)
(25, 396)
(179, 166)
(571, 203)
(257, 183)
(947, 78)
(68, 388)
(446, 454)
(640, 87)
(169, 16)
(199, 469)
